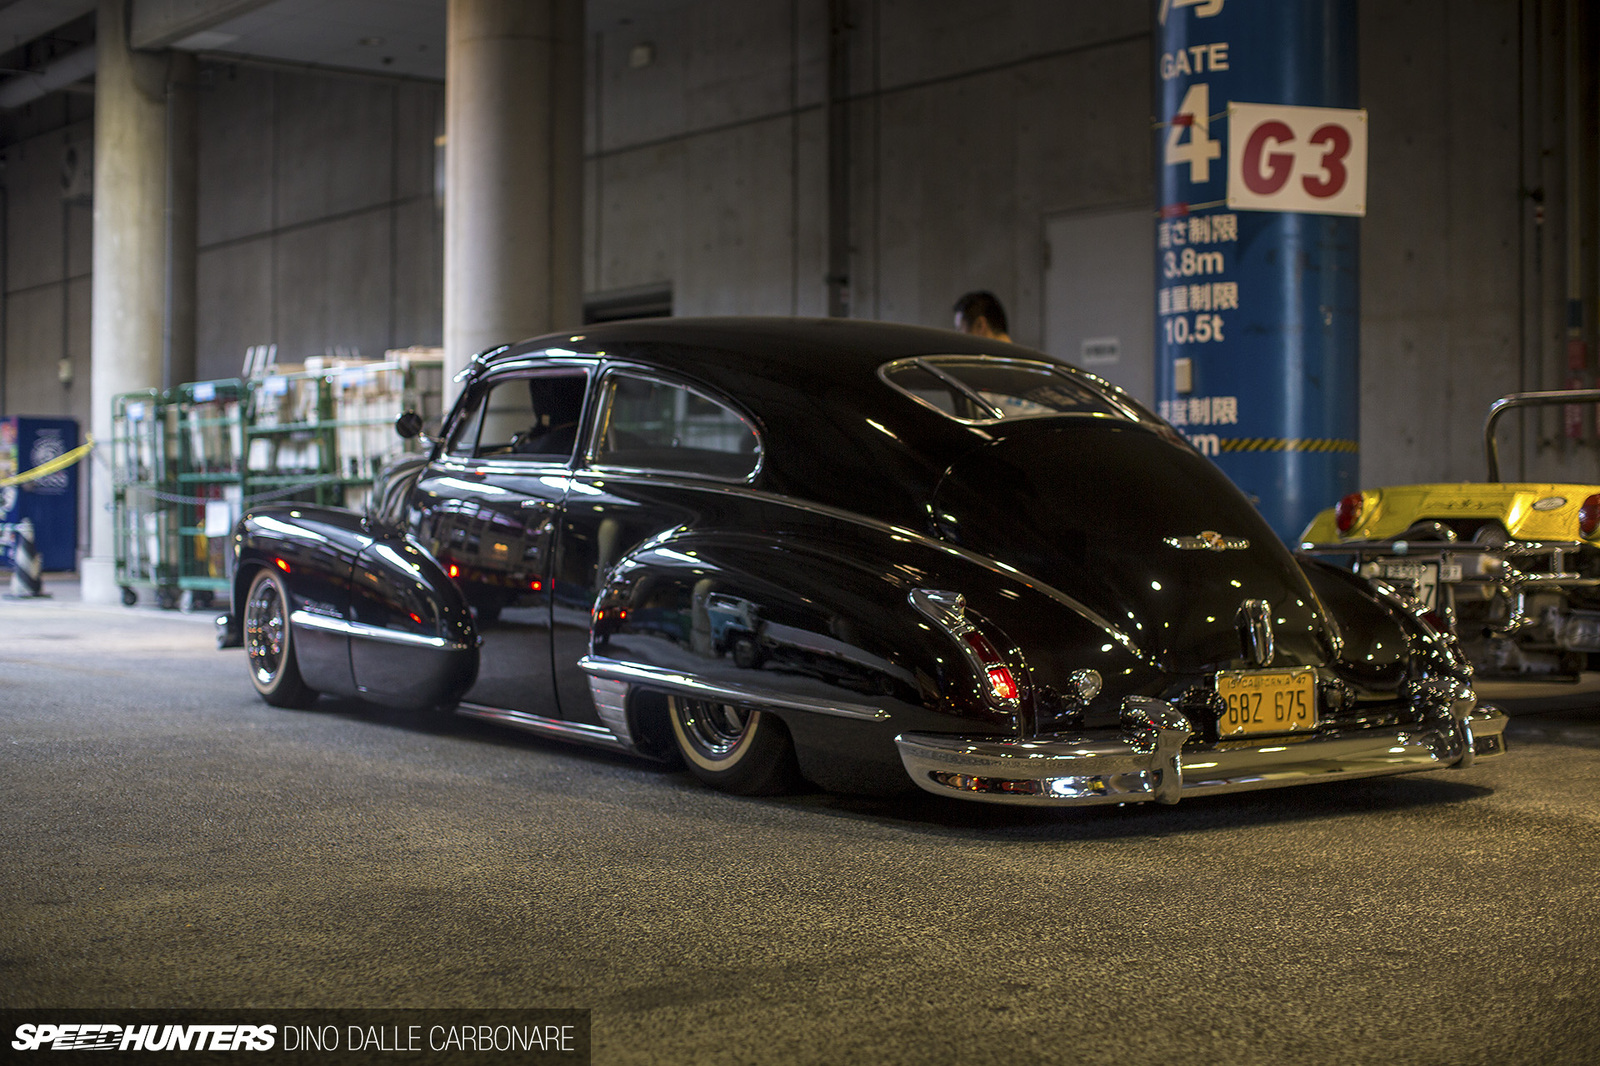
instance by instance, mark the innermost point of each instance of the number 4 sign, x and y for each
(1311, 159)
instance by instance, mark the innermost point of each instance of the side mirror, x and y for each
(409, 425)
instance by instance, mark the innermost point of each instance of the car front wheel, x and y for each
(735, 749)
(269, 644)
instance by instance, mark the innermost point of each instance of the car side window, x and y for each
(657, 425)
(534, 416)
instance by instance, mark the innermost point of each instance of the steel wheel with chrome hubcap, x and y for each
(269, 644)
(735, 749)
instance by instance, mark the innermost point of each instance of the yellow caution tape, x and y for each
(60, 462)
(1281, 444)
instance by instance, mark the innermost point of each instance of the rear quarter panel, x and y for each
(825, 619)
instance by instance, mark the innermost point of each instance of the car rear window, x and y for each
(977, 389)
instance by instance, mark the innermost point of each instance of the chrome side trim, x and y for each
(611, 705)
(358, 629)
(550, 727)
(1146, 764)
(656, 677)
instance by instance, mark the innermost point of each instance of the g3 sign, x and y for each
(1311, 159)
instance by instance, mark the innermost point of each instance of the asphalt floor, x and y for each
(169, 841)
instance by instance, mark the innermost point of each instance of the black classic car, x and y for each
(865, 555)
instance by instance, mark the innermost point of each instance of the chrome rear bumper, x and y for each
(1145, 761)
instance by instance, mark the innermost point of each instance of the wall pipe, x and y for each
(839, 159)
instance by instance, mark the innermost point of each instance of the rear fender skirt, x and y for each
(413, 642)
(313, 549)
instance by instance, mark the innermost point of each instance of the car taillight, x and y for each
(1348, 510)
(1589, 516)
(1002, 685)
(948, 610)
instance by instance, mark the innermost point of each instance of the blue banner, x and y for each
(50, 502)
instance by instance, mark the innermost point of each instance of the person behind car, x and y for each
(980, 314)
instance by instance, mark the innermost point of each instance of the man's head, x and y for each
(980, 313)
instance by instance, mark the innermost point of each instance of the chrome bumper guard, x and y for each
(1145, 761)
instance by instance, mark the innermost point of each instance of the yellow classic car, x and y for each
(1512, 567)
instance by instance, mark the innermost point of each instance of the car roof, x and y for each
(834, 431)
(786, 348)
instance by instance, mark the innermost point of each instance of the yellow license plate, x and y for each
(1267, 701)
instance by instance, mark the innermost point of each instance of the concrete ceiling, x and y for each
(22, 21)
(386, 36)
(397, 37)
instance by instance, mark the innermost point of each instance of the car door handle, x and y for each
(535, 505)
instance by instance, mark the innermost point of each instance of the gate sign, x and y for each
(1311, 159)
(1257, 244)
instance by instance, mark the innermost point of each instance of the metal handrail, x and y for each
(1526, 399)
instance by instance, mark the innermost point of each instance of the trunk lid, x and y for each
(1139, 528)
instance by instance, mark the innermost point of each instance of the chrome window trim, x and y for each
(605, 384)
(996, 415)
(500, 464)
(530, 365)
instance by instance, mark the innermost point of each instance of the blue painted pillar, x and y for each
(1257, 313)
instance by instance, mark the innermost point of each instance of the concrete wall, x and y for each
(975, 120)
(319, 228)
(971, 121)
(1462, 290)
(47, 271)
(704, 168)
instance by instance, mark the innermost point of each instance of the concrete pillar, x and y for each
(513, 219)
(1258, 309)
(128, 305)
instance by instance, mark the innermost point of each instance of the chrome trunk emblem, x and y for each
(1255, 631)
(1207, 541)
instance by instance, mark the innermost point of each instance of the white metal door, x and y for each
(1099, 295)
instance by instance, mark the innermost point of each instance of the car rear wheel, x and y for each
(734, 749)
(269, 644)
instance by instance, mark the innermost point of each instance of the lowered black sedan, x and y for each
(866, 555)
